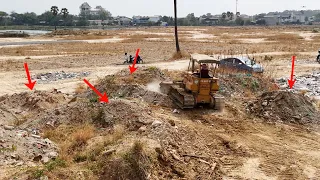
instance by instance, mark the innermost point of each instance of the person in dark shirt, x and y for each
(204, 73)
(130, 59)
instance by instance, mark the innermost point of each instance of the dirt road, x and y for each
(13, 82)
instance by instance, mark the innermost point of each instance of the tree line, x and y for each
(56, 17)
(52, 17)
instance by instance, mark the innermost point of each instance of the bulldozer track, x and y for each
(183, 99)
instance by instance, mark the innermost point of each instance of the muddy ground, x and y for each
(263, 132)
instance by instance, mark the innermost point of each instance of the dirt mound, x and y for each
(130, 113)
(143, 76)
(285, 106)
(20, 106)
(239, 84)
(124, 85)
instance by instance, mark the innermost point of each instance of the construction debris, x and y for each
(306, 84)
(284, 106)
(56, 76)
(18, 147)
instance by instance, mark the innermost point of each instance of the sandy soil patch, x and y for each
(13, 82)
(25, 39)
(147, 33)
(257, 40)
(111, 40)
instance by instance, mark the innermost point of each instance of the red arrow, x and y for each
(132, 68)
(30, 85)
(103, 98)
(292, 81)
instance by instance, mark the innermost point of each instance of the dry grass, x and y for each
(70, 138)
(132, 40)
(303, 92)
(18, 122)
(141, 37)
(81, 88)
(316, 38)
(235, 41)
(180, 55)
(88, 37)
(285, 37)
(80, 137)
(135, 164)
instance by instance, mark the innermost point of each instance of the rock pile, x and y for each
(310, 84)
(56, 76)
(284, 106)
(24, 147)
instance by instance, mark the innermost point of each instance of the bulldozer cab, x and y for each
(199, 61)
(199, 79)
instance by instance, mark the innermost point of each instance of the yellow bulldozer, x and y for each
(199, 85)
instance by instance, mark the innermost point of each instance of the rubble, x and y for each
(284, 106)
(307, 84)
(6, 127)
(156, 123)
(56, 76)
(175, 111)
(142, 129)
(19, 147)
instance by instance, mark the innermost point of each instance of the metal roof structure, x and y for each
(202, 58)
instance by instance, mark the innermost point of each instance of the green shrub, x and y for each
(51, 165)
(38, 173)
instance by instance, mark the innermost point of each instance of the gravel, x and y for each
(44, 78)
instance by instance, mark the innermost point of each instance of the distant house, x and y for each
(122, 21)
(88, 10)
(154, 19)
(245, 17)
(285, 18)
(311, 19)
(85, 7)
(298, 17)
(209, 19)
(98, 22)
(140, 20)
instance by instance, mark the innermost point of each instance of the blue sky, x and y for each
(161, 7)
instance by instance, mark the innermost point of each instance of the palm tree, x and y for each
(65, 13)
(55, 11)
(176, 27)
(231, 15)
